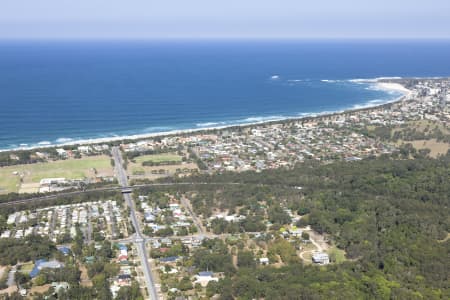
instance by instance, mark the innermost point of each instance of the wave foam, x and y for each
(249, 120)
(373, 102)
(210, 124)
(156, 129)
(262, 119)
(63, 140)
(161, 130)
(330, 80)
(372, 80)
(362, 80)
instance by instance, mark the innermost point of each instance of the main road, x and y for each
(139, 239)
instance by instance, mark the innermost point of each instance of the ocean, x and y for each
(54, 92)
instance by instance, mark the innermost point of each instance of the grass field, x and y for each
(436, 148)
(338, 254)
(8, 183)
(70, 169)
(27, 268)
(158, 158)
(137, 169)
(422, 124)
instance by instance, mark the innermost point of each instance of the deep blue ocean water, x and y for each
(53, 91)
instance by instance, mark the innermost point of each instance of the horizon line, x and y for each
(226, 38)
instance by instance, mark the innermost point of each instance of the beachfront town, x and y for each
(271, 145)
(102, 237)
(322, 138)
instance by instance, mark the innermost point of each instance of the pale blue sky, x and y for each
(113, 19)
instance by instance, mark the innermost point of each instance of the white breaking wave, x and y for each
(209, 124)
(376, 87)
(330, 81)
(160, 130)
(156, 129)
(262, 119)
(362, 80)
(63, 140)
(371, 80)
(377, 101)
(373, 102)
(387, 78)
(249, 120)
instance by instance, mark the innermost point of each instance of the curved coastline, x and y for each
(377, 83)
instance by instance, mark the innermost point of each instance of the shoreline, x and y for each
(377, 83)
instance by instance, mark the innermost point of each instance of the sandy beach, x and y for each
(386, 86)
(391, 86)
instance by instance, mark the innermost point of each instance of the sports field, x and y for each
(153, 172)
(158, 158)
(25, 178)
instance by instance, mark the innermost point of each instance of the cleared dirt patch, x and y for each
(40, 289)
(84, 278)
(436, 148)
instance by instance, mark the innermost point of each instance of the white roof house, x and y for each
(204, 278)
(320, 258)
(11, 219)
(264, 261)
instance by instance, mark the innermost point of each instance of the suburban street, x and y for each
(139, 240)
(113, 224)
(185, 202)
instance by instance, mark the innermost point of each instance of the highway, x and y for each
(139, 240)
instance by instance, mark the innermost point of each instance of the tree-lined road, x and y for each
(139, 240)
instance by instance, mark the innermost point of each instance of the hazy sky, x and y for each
(225, 18)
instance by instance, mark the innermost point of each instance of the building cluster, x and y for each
(171, 217)
(228, 218)
(66, 152)
(59, 222)
(157, 144)
(278, 145)
(124, 278)
(324, 138)
(283, 144)
(171, 229)
(427, 100)
(83, 150)
(47, 185)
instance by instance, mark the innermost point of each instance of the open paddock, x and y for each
(158, 158)
(14, 178)
(138, 171)
(436, 148)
